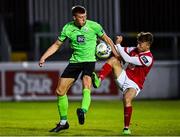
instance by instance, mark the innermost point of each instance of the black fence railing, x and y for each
(166, 46)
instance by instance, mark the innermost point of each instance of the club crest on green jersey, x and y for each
(85, 29)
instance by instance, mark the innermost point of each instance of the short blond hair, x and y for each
(145, 37)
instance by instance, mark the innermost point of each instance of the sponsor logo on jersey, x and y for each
(80, 38)
(144, 59)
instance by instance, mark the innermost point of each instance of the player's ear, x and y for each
(148, 45)
(74, 18)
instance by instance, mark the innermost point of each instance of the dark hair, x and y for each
(145, 37)
(78, 9)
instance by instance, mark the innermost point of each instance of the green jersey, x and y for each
(83, 40)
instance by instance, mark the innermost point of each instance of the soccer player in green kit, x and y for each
(83, 36)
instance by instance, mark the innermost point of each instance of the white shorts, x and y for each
(124, 83)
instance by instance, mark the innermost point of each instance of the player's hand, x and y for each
(119, 39)
(41, 62)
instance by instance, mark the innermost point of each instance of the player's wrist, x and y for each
(118, 45)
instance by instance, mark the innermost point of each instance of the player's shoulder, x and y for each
(148, 53)
(92, 23)
(68, 25)
(146, 58)
(130, 49)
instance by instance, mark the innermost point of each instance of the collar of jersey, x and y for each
(144, 52)
(81, 27)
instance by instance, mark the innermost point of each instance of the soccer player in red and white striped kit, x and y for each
(138, 61)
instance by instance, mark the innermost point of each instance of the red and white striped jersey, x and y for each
(138, 73)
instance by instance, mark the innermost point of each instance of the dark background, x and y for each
(156, 16)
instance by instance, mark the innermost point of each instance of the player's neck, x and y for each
(78, 25)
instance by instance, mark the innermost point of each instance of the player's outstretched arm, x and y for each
(126, 57)
(50, 51)
(110, 42)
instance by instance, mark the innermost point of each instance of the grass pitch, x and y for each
(105, 118)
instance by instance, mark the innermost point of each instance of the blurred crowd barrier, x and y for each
(27, 81)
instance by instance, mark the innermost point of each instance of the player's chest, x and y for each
(134, 53)
(81, 35)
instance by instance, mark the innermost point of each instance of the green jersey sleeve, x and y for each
(62, 36)
(99, 30)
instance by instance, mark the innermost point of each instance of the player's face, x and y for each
(80, 19)
(143, 46)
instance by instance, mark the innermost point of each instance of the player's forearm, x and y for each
(123, 54)
(114, 49)
(110, 42)
(51, 50)
(126, 57)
